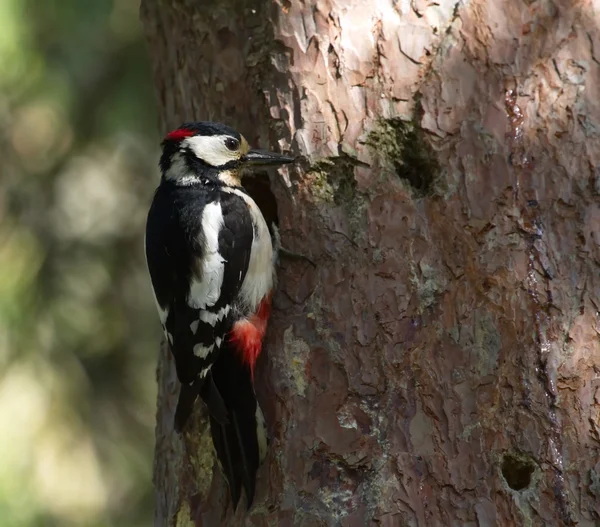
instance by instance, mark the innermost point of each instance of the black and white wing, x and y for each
(198, 246)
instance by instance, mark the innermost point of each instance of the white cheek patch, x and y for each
(178, 170)
(181, 174)
(211, 149)
(207, 290)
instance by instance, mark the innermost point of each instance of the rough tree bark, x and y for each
(439, 365)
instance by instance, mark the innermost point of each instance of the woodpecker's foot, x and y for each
(296, 256)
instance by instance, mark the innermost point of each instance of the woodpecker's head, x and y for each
(207, 151)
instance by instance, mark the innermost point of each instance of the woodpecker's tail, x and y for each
(188, 394)
(241, 441)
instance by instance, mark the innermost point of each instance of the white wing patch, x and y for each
(202, 351)
(206, 291)
(210, 318)
(213, 318)
(179, 171)
(211, 149)
(162, 313)
(258, 281)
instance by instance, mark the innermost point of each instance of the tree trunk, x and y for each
(439, 364)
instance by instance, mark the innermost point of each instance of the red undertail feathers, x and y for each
(247, 335)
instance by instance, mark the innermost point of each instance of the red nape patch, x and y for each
(178, 135)
(247, 335)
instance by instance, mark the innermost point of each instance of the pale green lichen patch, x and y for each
(487, 342)
(402, 147)
(296, 353)
(480, 336)
(332, 182)
(203, 459)
(428, 283)
(321, 188)
(333, 179)
(594, 483)
(184, 516)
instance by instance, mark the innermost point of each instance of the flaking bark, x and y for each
(439, 364)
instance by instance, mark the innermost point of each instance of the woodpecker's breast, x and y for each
(259, 279)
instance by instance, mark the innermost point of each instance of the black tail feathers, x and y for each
(236, 421)
(187, 397)
(185, 404)
(240, 442)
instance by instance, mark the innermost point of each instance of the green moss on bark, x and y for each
(403, 147)
(333, 179)
(333, 183)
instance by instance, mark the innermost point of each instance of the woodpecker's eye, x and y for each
(232, 144)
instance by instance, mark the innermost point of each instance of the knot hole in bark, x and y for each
(517, 471)
(258, 187)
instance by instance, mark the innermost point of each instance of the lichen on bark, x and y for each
(403, 150)
(332, 179)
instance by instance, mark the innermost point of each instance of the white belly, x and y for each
(259, 278)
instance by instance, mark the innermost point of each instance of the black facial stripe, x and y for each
(235, 163)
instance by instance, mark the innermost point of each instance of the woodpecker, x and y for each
(211, 259)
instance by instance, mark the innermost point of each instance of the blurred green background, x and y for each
(78, 332)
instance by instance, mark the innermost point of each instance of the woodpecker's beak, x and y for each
(264, 158)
